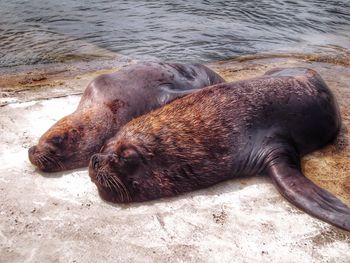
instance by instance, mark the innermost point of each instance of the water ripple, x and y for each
(44, 31)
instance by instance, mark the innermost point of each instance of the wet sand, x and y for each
(60, 217)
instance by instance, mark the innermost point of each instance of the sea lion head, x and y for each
(123, 172)
(68, 144)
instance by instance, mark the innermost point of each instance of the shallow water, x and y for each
(41, 31)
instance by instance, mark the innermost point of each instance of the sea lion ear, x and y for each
(129, 155)
(129, 159)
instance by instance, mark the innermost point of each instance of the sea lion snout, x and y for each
(99, 160)
(31, 152)
(38, 159)
(46, 157)
(100, 163)
(104, 172)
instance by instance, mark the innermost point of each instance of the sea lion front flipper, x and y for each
(170, 93)
(170, 89)
(304, 194)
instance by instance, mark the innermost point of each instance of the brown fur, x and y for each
(110, 101)
(258, 126)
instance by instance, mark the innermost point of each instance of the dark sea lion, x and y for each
(257, 126)
(110, 101)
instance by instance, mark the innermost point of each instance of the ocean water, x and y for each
(47, 31)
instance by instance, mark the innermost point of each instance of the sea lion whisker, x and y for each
(42, 159)
(106, 181)
(39, 160)
(117, 188)
(122, 186)
(106, 177)
(45, 159)
(59, 162)
(53, 160)
(100, 175)
(100, 179)
(48, 159)
(120, 189)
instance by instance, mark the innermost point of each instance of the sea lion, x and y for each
(257, 126)
(110, 101)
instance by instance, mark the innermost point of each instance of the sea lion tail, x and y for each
(304, 194)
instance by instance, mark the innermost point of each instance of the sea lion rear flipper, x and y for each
(304, 194)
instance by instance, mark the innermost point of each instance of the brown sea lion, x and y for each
(258, 126)
(110, 101)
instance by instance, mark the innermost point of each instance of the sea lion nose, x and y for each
(95, 161)
(32, 150)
